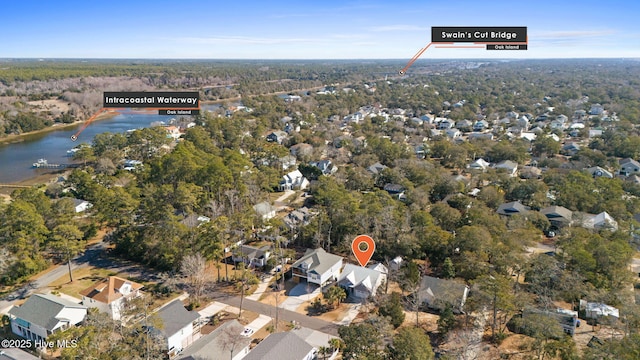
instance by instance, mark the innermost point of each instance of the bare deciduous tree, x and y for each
(194, 268)
(231, 340)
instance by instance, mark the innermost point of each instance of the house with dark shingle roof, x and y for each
(110, 294)
(277, 136)
(221, 343)
(437, 293)
(282, 346)
(376, 168)
(512, 208)
(317, 267)
(42, 315)
(251, 255)
(177, 326)
(558, 216)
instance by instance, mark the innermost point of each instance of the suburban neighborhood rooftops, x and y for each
(557, 213)
(512, 208)
(280, 346)
(175, 317)
(43, 310)
(435, 289)
(110, 289)
(317, 260)
(251, 252)
(358, 276)
(212, 346)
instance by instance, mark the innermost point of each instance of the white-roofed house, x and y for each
(81, 205)
(293, 180)
(603, 221)
(360, 282)
(511, 167)
(479, 165)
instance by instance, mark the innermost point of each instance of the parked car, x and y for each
(248, 332)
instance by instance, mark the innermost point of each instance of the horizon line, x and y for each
(308, 59)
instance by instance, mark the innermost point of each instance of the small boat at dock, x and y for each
(44, 164)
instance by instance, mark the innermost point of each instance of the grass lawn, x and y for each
(264, 332)
(82, 279)
(274, 196)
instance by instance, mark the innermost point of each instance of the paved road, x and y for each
(90, 256)
(283, 314)
(93, 256)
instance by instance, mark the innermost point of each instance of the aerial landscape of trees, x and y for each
(441, 226)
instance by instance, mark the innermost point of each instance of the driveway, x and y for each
(352, 312)
(262, 288)
(299, 295)
(212, 309)
(259, 323)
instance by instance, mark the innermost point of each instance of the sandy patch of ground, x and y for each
(585, 332)
(265, 331)
(51, 104)
(271, 297)
(334, 315)
(515, 346)
(427, 321)
(45, 178)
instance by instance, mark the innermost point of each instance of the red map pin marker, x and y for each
(363, 247)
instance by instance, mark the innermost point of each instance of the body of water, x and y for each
(16, 159)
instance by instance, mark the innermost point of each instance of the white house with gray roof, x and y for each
(42, 315)
(251, 255)
(360, 282)
(283, 346)
(293, 180)
(629, 167)
(81, 205)
(317, 267)
(177, 326)
(511, 167)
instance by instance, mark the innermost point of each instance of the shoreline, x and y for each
(12, 139)
(40, 179)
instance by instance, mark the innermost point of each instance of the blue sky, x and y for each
(227, 29)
